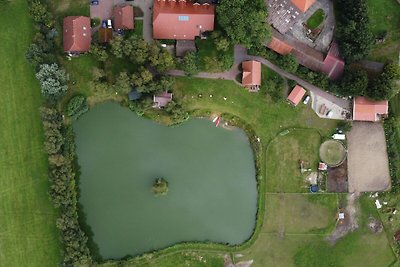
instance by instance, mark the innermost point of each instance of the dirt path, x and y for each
(350, 222)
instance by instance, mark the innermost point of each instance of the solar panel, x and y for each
(183, 18)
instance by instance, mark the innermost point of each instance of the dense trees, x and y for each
(353, 82)
(386, 86)
(353, 32)
(244, 21)
(60, 148)
(53, 81)
(190, 64)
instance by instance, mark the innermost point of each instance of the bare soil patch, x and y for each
(368, 165)
(337, 178)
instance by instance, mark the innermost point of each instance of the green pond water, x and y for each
(212, 187)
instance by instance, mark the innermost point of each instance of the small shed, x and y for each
(105, 35)
(162, 100)
(251, 76)
(134, 95)
(296, 95)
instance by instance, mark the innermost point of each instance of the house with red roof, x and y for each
(365, 109)
(251, 76)
(76, 34)
(181, 20)
(123, 17)
(333, 65)
(296, 95)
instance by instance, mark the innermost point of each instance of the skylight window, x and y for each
(183, 18)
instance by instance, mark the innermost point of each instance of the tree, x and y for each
(77, 106)
(52, 80)
(141, 79)
(160, 187)
(140, 50)
(190, 64)
(117, 45)
(244, 21)
(386, 86)
(35, 55)
(160, 58)
(123, 83)
(288, 63)
(353, 31)
(354, 82)
(99, 52)
(40, 13)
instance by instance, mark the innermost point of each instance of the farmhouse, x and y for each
(365, 109)
(123, 17)
(76, 34)
(251, 76)
(162, 100)
(296, 95)
(181, 20)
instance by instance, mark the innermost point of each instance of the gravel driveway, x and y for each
(368, 165)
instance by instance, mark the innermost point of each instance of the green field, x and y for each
(28, 232)
(384, 16)
(316, 19)
(276, 246)
(283, 160)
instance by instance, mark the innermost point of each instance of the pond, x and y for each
(212, 192)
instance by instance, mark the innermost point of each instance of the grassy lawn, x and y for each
(316, 19)
(384, 17)
(266, 117)
(28, 232)
(301, 248)
(138, 29)
(294, 213)
(283, 160)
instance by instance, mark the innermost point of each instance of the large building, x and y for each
(365, 109)
(76, 34)
(181, 19)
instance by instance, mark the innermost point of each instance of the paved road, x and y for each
(241, 55)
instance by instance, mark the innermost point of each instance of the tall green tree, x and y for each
(386, 85)
(53, 81)
(190, 64)
(244, 21)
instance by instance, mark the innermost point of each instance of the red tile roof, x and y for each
(181, 20)
(123, 17)
(303, 5)
(333, 65)
(280, 46)
(251, 73)
(76, 34)
(365, 109)
(296, 95)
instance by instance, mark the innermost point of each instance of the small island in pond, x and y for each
(160, 187)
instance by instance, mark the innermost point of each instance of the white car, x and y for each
(306, 100)
(109, 24)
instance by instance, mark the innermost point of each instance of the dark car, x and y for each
(104, 23)
(94, 2)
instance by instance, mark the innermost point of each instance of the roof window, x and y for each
(183, 18)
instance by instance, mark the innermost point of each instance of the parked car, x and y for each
(306, 100)
(94, 2)
(109, 24)
(104, 23)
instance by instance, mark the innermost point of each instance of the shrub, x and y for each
(52, 80)
(190, 64)
(77, 106)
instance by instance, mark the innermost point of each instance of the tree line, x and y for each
(58, 138)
